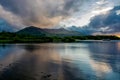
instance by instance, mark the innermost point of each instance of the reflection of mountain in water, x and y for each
(38, 62)
(67, 61)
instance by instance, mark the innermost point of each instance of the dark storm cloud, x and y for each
(41, 13)
(106, 23)
(73, 4)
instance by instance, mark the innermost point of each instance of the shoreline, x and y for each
(78, 41)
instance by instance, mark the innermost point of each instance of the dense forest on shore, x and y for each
(8, 37)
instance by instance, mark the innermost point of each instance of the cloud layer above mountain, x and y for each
(48, 13)
(42, 13)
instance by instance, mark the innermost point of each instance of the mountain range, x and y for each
(108, 23)
(48, 32)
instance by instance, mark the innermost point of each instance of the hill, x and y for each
(48, 32)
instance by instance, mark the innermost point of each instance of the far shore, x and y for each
(77, 41)
(7, 37)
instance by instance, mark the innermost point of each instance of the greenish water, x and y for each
(60, 61)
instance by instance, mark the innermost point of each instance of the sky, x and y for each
(54, 13)
(89, 9)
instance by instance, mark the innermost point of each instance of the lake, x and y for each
(60, 61)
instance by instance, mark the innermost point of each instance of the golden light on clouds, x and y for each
(100, 68)
(46, 22)
(117, 34)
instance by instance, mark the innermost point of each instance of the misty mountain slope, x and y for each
(84, 30)
(48, 32)
(62, 31)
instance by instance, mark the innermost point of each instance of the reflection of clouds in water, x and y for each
(100, 67)
(10, 55)
(4, 49)
(45, 60)
(73, 61)
(50, 60)
(105, 59)
(103, 47)
(104, 71)
(38, 60)
(118, 47)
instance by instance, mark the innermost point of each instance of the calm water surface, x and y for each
(60, 61)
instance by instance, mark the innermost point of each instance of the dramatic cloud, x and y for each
(49, 13)
(10, 17)
(41, 13)
(89, 9)
(107, 23)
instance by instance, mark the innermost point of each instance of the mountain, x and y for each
(61, 31)
(32, 31)
(84, 30)
(48, 32)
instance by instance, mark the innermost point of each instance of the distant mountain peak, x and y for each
(32, 27)
(49, 32)
(62, 28)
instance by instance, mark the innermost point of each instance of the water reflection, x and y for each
(69, 61)
(109, 54)
(106, 60)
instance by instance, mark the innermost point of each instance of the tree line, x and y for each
(8, 37)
